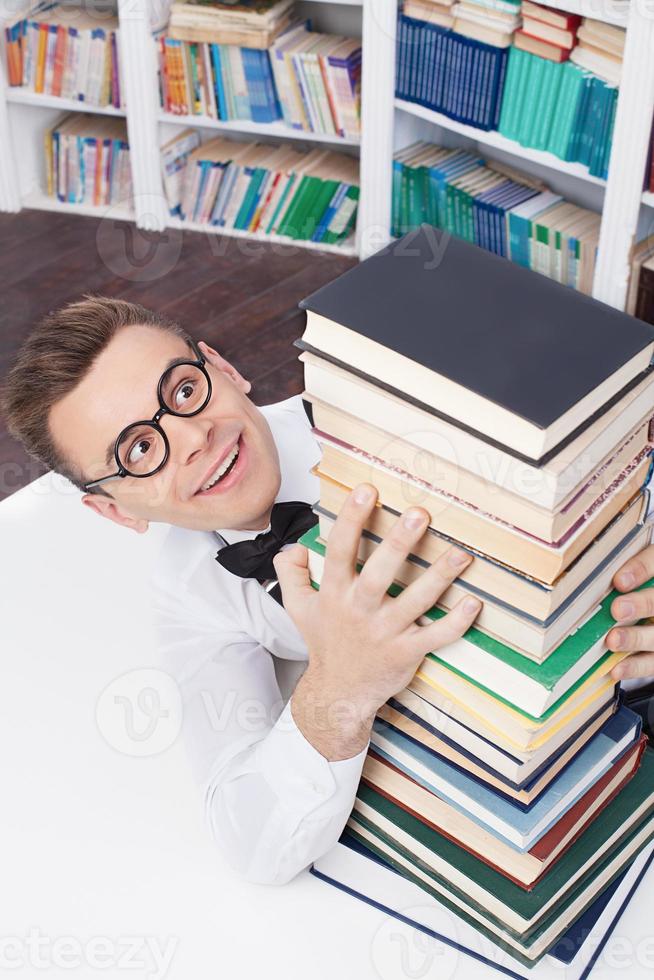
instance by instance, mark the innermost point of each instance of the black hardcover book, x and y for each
(496, 349)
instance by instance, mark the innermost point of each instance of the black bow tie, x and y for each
(253, 559)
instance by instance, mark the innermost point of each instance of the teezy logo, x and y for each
(140, 712)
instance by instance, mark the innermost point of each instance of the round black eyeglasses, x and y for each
(142, 448)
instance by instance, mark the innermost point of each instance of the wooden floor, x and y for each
(238, 295)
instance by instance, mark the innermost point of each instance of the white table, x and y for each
(105, 864)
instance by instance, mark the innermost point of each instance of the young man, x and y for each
(152, 427)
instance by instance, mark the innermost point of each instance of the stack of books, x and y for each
(600, 48)
(496, 208)
(558, 107)
(262, 188)
(548, 33)
(310, 80)
(445, 71)
(87, 160)
(245, 23)
(68, 53)
(491, 24)
(507, 789)
(431, 11)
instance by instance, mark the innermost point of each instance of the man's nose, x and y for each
(188, 437)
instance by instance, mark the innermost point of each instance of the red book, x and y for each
(556, 18)
(59, 60)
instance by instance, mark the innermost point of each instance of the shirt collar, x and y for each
(298, 452)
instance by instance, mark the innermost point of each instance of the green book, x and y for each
(283, 201)
(256, 176)
(343, 221)
(325, 193)
(554, 77)
(305, 191)
(509, 92)
(493, 666)
(500, 902)
(531, 106)
(568, 101)
(522, 89)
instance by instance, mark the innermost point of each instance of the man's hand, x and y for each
(364, 646)
(637, 640)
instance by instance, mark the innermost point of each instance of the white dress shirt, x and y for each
(272, 801)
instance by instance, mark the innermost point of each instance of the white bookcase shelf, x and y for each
(26, 97)
(387, 124)
(37, 199)
(276, 130)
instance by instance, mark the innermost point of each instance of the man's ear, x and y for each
(219, 362)
(108, 508)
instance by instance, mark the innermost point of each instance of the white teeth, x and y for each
(226, 463)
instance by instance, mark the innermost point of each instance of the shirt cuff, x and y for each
(301, 777)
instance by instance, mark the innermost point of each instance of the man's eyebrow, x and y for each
(109, 455)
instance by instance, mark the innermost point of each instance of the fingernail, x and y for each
(626, 580)
(626, 610)
(618, 638)
(471, 605)
(458, 558)
(362, 495)
(413, 519)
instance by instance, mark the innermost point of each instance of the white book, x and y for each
(367, 880)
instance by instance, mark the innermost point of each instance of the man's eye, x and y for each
(139, 450)
(185, 392)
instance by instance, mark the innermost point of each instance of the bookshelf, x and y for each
(387, 124)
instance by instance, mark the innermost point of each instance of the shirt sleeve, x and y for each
(272, 802)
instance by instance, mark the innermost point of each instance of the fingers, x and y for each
(344, 538)
(637, 665)
(636, 571)
(429, 639)
(630, 639)
(292, 569)
(633, 606)
(383, 566)
(422, 594)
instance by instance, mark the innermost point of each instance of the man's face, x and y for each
(120, 388)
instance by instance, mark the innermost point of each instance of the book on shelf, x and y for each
(264, 188)
(507, 780)
(71, 54)
(309, 80)
(87, 160)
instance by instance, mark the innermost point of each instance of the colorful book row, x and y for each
(309, 80)
(262, 188)
(523, 221)
(559, 107)
(54, 57)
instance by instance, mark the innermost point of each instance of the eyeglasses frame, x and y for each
(163, 409)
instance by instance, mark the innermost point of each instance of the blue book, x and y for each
(498, 772)
(520, 825)
(221, 101)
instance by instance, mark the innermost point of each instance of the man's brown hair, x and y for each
(54, 358)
